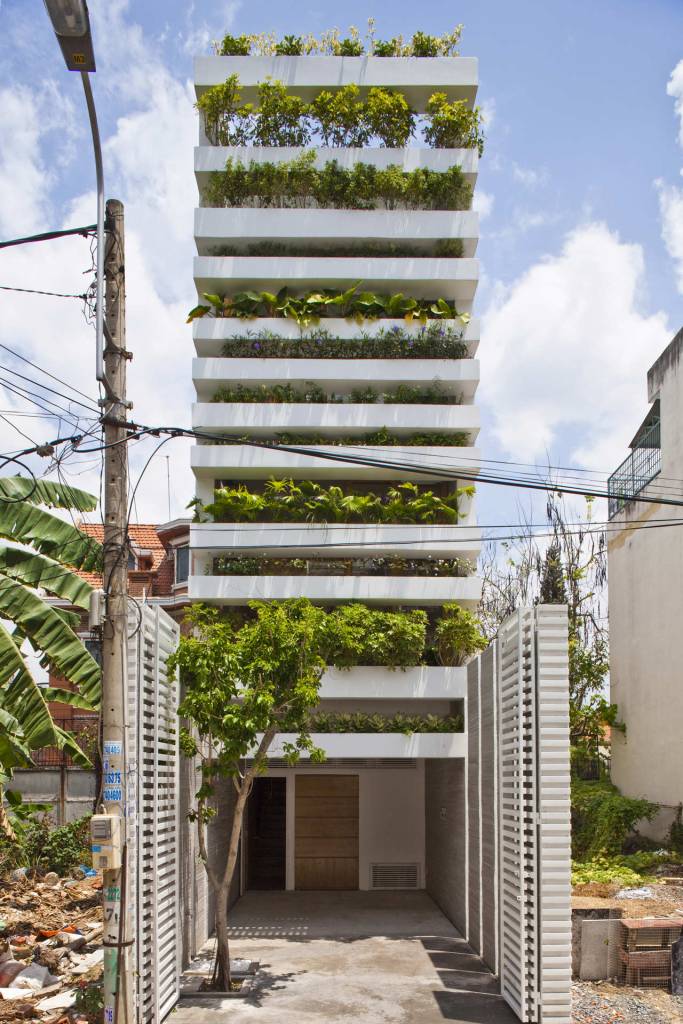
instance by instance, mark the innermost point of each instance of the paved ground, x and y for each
(371, 958)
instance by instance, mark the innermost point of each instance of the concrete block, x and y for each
(599, 941)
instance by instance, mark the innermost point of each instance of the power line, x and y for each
(45, 387)
(47, 373)
(47, 236)
(36, 291)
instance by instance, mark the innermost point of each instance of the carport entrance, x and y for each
(353, 958)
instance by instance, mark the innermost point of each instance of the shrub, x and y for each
(453, 125)
(433, 341)
(424, 45)
(380, 437)
(309, 501)
(290, 46)
(225, 122)
(458, 635)
(602, 818)
(235, 46)
(405, 394)
(676, 832)
(339, 117)
(358, 635)
(298, 183)
(282, 119)
(389, 117)
(407, 725)
(629, 870)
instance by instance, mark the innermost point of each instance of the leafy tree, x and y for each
(573, 571)
(45, 550)
(241, 688)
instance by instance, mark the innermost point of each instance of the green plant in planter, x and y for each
(453, 125)
(458, 635)
(309, 308)
(407, 725)
(379, 437)
(357, 635)
(235, 46)
(226, 123)
(433, 341)
(282, 118)
(389, 117)
(339, 117)
(424, 45)
(290, 46)
(386, 47)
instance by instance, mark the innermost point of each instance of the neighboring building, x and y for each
(158, 567)
(646, 598)
(371, 817)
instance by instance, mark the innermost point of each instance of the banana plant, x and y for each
(43, 553)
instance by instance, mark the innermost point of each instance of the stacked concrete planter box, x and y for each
(421, 275)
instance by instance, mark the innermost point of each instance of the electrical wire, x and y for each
(36, 291)
(47, 236)
(91, 407)
(47, 373)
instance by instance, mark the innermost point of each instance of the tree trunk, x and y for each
(223, 977)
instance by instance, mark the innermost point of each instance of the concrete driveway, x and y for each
(371, 958)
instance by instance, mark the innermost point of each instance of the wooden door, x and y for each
(326, 832)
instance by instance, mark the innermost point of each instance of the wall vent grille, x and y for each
(394, 876)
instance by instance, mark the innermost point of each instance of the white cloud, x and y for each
(675, 88)
(566, 348)
(198, 37)
(671, 196)
(482, 203)
(529, 177)
(488, 112)
(148, 165)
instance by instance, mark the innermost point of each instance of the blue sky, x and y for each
(580, 196)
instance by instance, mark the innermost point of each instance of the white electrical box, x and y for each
(107, 841)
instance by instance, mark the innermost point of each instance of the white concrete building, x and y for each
(645, 556)
(371, 816)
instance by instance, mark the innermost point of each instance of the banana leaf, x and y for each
(25, 524)
(21, 697)
(46, 492)
(49, 634)
(37, 570)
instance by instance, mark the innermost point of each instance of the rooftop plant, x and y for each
(332, 43)
(281, 118)
(299, 183)
(407, 725)
(384, 566)
(442, 248)
(310, 307)
(380, 437)
(433, 341)
(404, 394)
(291, 501)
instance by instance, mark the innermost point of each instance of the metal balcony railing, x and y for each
(635, 472)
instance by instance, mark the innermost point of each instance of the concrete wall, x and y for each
(446, 838)
(391, 816)
(645, 615)
(482, 807)
(71, 791)
(197, 905)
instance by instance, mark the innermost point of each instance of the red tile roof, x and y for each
(157, 577)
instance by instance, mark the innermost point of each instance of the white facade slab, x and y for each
(417, 78)
(456, 377)
(335, 539)
(384, 745)
(348, 419)
(423, 682)
(388, 590)
(422, 228)
(245, 462)
(208, 159)
(451, 279)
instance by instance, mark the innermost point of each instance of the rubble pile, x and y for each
(50, 945)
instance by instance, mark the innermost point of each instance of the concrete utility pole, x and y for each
(118, 976)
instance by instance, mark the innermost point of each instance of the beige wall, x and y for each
(646, 619)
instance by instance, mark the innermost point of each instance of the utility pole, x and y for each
(118, 934)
